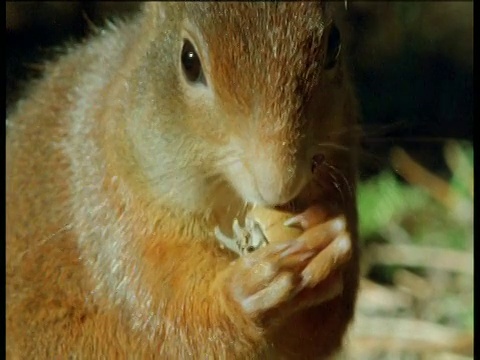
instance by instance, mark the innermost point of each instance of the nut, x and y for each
(271, 222)
(261, 227)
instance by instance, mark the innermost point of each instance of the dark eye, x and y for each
(191, 65)
(333, 48)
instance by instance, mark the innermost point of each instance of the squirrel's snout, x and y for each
(277, 184)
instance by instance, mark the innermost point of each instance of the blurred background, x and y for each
(412, 64)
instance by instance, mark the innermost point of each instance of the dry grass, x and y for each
(416, 297)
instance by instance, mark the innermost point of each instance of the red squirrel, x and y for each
(134, 145)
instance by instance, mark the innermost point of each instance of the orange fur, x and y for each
(116, 177)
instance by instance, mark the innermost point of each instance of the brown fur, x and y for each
(117, 174)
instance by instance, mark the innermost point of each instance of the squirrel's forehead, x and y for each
(259, 20)
(280, 44)
(262, 31)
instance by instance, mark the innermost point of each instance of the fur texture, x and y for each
(118, 170)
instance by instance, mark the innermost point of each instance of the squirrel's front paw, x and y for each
(293, 274)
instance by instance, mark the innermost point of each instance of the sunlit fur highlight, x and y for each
(116, 176)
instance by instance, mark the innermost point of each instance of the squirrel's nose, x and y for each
(277, 185)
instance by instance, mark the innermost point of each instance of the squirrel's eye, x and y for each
(333, 48)
(191, 65)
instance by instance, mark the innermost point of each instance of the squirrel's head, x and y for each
(252, 88)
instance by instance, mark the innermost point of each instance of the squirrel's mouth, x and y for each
(287, 207)
(272, 185)
(276, 190)
(318, 168)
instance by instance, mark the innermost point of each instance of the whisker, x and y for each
(406, 139)
(52, 236)
(343, 177)
(368, 130)
(338, 179)
(333, 146)
(351, 130)
(337, 186)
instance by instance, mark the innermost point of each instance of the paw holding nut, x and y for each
(289, 261)
(262, 226)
